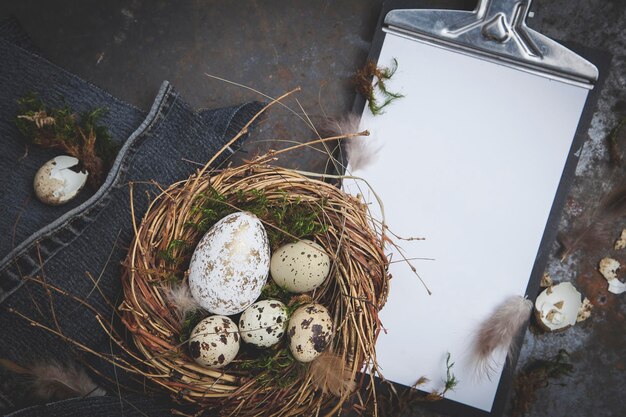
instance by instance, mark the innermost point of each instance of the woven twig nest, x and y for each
(267, 382)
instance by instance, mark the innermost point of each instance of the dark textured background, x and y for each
(129, 47)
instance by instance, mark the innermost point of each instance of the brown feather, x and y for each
(599, 229)
(498, 332)
(54, 382)
(330, 374)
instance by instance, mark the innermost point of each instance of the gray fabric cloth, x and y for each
(89, 238)
(22, 72)
(128, 406)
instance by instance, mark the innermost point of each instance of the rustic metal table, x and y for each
(130, 47)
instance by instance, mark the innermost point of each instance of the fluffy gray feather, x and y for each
(54, 381)
(360, 152)
(181, 299)
(498, 332)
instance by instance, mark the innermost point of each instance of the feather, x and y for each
(54, 382)
(181, 299)
(498, 331)
(359, 150)
(599, 229)
(329, 374)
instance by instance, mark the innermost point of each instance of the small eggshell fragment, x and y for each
(214, 342)
(608, 268)
(310, 332)
(263, 323)
(585, 310)
(57, 183)
(230, 265)
(300, 266)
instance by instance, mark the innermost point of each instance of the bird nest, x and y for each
(291, 206)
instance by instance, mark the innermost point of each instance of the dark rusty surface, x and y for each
(130, 47)
(597, 346)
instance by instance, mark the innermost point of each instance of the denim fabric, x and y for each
(68, 245)
(130, 406)
(21, 72)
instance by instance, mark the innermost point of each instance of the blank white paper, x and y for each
(470, 159)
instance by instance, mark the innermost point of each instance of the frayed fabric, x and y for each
(60, 273)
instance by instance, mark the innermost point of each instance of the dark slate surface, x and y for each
(129, 47)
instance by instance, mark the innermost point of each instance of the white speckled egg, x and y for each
(214, 342)
(56, 182)
(229, 267)
(263, 323)
(310, 331)
(300, 266)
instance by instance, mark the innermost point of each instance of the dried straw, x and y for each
(354, 295)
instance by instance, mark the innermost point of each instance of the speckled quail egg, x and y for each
(300, 266)
(263, 323)
(214, 342)
(58, 181)
(230, 265)
(310, 331)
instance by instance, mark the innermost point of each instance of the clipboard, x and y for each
(477, 158)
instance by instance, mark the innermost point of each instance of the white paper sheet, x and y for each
(470, 160)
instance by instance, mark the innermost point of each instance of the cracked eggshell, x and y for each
(557, 307)
(263, 323)
(300, 266)
(214, 342)
(56, 182)
(585, 310)
(230, 265)
(310, 332)
(608, 268)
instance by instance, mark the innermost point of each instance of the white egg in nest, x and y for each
(230, 265)
(57, 181)
(300, 266)
(310, 332)
(263, 323)
(214, 342)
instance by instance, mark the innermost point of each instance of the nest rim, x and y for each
(354, 293)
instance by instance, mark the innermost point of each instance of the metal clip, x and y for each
(495, 30)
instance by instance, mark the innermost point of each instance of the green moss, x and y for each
(451, 381)
(277, 368)
(191, 320)
(371, 78)
(105, 147)
(81, 136)
(285, 220)
(169, 254)
(538, 374)
(272, 291)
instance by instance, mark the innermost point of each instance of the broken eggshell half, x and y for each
(557, 307)
(58, 181)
